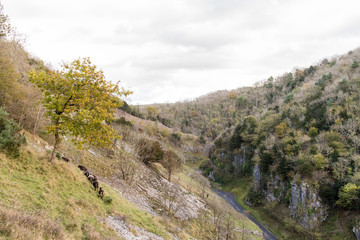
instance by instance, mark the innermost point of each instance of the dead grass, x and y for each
(20, 225)
(90, 233)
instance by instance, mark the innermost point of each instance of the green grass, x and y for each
(63, 194)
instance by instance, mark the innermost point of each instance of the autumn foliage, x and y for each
(79, 102)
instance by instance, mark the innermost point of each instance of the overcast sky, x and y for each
(170, 50)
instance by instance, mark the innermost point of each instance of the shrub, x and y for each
(206, 167)
(313, 132)
(349, 196)
(175, 138)
(222, 177)
(242, 102)
(10, 136)
(304, 165)
(107, 200)
(254, 197)
(202, 140)
(150, 151)
(354, 65)
(281, 129)
(289, 98)
(123, 121)
(319, 161)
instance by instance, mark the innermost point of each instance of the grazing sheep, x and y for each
(101, 193)
(91, 178)
(65, 159)
(82, 168)
(95, 184)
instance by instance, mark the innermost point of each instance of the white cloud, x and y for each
(171, 50)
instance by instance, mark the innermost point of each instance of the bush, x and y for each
(123, 121)
(202, 140)
(349, 196)
(289, 98)
(281, 129)
(319, 161)
(304, 165)
(206, 167)
(254, 197)
(150, 151)
(222, 177)
(10, 137)
(175, 138)
(107, 200)
(313, 132)
(354, 65)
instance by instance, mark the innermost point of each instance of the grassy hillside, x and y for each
(40, 200)
(58, 202)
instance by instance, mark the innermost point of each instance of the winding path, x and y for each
(231, 200)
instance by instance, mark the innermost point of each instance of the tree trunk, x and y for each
(57, 141)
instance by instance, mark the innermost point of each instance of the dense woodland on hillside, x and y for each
(303, 124)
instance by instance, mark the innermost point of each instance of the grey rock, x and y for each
(256, 176)
(356, 231)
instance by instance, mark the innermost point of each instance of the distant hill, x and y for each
(295, 136)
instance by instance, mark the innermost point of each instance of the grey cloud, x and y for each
(167, 50)
(349, 29)
(183, 61)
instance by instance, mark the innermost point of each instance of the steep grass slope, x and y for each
(39, 200)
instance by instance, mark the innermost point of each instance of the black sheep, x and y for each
(86, 173)
(101, 193)
(91, 178)
(96, 184)
(82, 168)
(65, 159)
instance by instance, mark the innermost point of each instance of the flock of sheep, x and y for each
(93, 180)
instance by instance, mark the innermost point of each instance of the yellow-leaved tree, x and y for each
(79, 102)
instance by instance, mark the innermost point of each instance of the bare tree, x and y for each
(229, 227)
(173, 200)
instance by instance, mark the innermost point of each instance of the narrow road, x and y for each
(231, 200)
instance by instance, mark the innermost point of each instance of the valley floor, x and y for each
(230, 198)
(275, 217)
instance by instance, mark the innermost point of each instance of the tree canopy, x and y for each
(5, 26)
(171, 162)
(79, 102)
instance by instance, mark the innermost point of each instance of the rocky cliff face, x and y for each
(356, 231)
(305, 205)
(303, 199)
(239, 159)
